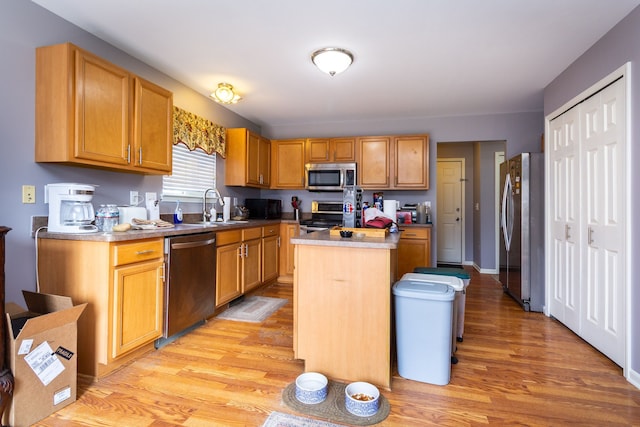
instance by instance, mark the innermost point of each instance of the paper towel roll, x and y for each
(389, 208)
(226, 209)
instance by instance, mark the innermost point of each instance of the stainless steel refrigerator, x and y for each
(522, 229)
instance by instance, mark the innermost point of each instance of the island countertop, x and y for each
(324, 238)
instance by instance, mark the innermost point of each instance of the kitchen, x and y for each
(27, 21)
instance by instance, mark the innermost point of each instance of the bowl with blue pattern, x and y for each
(311, 388)
(362, 399)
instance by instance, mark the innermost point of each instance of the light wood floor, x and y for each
(515, 368)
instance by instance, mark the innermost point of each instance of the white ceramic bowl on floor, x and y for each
(311, 388)
(362, 399)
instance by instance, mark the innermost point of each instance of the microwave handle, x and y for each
(343, 172)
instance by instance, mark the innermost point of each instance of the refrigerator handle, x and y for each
(505, 230)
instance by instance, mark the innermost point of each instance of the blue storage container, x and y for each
(423, 313)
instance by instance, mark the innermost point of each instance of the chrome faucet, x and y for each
(206, 215)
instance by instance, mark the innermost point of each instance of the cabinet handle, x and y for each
(410, 234)
(146, 252)
(590, 235)
(278, 241)
(246, 251)
(128, 153)
(240, 251)
(567, 228)
(140, 156)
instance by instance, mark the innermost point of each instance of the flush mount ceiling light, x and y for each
(225, 94)
(332, 60)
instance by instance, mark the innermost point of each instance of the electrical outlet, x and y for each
(28, 194)
(134, 199)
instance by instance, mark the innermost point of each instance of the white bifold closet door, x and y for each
(587, 182)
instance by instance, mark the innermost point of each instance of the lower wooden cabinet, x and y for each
(414, 249)
(123, 284)
(239, 263)
(228, 272)
(136, 323)
(270, 252)
(287, 231)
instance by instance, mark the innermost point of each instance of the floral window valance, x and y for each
(197, 132)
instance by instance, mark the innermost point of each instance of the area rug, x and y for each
(279, 419)
(253, 309)
(333, 408)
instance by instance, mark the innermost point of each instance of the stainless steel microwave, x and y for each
(329, 176)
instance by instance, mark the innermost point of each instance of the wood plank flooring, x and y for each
(515, 368)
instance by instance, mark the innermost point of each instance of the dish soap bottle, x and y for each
(177, 214)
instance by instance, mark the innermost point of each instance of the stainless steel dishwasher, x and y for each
(190, 291)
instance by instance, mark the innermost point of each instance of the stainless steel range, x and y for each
(324, 215)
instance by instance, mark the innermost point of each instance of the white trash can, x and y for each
(423, 314)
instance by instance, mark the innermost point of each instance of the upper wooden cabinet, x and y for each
(248, 160)
(374, 165)
(330, 150)
(287, 164)
(393, 162)
(90, 112)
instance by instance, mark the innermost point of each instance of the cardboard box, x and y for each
(42, 339)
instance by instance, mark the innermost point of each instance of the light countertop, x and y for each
(324, 238)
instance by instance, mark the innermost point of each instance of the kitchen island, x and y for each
(342, 305)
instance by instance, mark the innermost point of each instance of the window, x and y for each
(192, 173)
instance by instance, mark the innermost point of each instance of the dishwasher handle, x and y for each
(197, 244)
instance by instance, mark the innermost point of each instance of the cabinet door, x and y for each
(138, 301)
(270, 258)
(411, 162)
(153, 126)
(228, 273)
(103, 96)
(251, 264)
(287, 231)
(253, 159)
(412, 254)
(318, 150)
(373, 162)
(264, 162)
(287, 164)
(343, 149)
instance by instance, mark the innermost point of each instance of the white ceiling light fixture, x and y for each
(225, 94)
(332, 60)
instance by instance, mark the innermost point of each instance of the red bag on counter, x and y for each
(379, 222)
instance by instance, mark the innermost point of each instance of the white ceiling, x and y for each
(413, 58)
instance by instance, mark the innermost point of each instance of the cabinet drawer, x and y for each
(128, 253)
(251, 233)
(228, 237)
(415, 233)
(271, 230)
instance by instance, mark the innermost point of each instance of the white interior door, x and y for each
(603, 176)
(450, 210)
(587, 183)
(564, 257)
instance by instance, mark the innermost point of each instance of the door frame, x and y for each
(463, 182)
(499, 157)
(624, 71)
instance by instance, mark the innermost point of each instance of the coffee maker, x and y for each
(70, 208)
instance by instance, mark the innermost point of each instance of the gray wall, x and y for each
(612, 51)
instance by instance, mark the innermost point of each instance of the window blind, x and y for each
(192, 173)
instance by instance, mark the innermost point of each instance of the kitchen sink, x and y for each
(201, 224)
